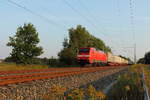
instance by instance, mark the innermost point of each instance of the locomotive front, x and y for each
(83, 56)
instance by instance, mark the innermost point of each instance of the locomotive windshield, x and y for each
(84, 50)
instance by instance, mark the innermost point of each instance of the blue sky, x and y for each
(106, 19)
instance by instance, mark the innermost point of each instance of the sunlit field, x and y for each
(12, 66)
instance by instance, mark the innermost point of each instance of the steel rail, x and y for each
(36, 74)
(61, 74)
(28, 75)
(43, 70)
(33, 70)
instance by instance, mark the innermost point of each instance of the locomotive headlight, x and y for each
(86, 55)
(83, 55)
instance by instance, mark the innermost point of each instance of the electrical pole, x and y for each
(135, 53)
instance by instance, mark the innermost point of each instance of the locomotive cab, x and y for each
(83, 56)
(84, 51)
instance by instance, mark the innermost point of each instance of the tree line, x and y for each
(145, 59)
(25, 49)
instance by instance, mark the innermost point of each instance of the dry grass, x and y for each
(12, 66)
(128, 86)
(57, 92)
(147, 76)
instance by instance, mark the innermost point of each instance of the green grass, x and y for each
(147, 67)
(13, 66)
(128, 86)
(60, 66)
(147, 76)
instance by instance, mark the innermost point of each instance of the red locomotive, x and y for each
(89, 55)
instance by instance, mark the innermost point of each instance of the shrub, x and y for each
(76, 94)
(57, 93)
(129, 86)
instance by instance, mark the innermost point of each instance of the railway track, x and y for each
(14, 77)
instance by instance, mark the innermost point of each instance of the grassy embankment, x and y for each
(90, 93)
(129, 86)
(12, 66)
(147, 77)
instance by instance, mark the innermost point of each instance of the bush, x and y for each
(147, 58)
(57, 93)
(129, 86)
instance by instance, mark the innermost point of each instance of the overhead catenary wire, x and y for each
(51, 13)
(119, 16)
(120, 25)
(93, 17)
(78, 13)
(119, 48)
(82, 15)
(37, 14)
(131, 5)
(47, 19)
(87, 20)
(53, 23)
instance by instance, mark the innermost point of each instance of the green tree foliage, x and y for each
(147, 58)
(79, 37)
(24, 44)
(67, 56)
(53, 62)
(141, 61)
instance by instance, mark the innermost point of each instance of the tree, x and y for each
(65, 43)
(141, 61)
(24, 44)
(147, 58)
(67, 56)
(53, 61)
(79, 37)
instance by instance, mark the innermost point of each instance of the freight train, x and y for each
(90, 55)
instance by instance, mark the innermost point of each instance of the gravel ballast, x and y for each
(36, 89)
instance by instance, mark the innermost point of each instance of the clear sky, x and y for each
(108, 20)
